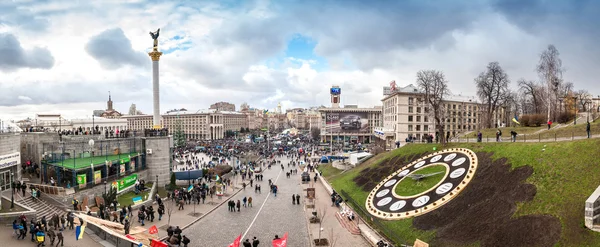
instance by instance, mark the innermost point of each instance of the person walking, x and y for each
(238, 205)
(298, 199)
(250, 201)
(60, 237)
(255, 242)
(244, 201)
(587, 129)
(293, 199)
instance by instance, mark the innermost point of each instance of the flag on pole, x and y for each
(153, 230)
(79, 231)
(190, 188)
(236, 242)
(393, 86)
(282, 242)
(217, 178)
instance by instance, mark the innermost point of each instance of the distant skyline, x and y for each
(64, 56)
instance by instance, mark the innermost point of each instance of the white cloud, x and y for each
(215, 52)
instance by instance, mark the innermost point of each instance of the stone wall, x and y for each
(32, 147)
(592, 209)
(158, 163)
(9, 143)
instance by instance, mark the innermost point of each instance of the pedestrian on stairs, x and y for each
(60, 237)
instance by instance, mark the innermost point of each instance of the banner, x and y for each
(236, 242)
(81, 180)
(10, 160)
(137, 200)
(126, 182)
(153, 230)
(97, 177)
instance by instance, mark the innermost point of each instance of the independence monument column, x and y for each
(155, 55)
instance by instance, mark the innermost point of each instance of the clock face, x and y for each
(460, 165)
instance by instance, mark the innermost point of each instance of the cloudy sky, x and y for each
(64, 56)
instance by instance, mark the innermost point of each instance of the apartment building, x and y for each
(200, 125)
(407, 115)
(222, 106)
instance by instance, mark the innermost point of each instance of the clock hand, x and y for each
(421, 176)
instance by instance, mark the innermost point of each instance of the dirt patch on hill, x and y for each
(482, 212)
(371, 176)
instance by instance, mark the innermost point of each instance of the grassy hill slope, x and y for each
(565, 174)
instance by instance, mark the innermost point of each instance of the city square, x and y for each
(301, 124)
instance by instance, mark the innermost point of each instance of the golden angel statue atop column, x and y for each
(154, 36)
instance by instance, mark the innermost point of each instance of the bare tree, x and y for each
(550, 70)
(332, 238)
(492, 89)
(315, 133)
(584, 98)
(169, 208)
(433, 83)
(529, 89)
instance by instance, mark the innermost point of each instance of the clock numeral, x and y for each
(422, 200)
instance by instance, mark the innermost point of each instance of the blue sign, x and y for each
(336, 91)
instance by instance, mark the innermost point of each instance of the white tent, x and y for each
(355, 157)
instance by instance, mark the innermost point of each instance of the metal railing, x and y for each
(374, 222)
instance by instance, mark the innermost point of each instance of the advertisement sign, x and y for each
(126, 182)
(10, 160)
(97, 177)
(122, 169)
(81, 180)
(347, 122)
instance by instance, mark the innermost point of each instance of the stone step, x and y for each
(42, 208)
(351, 226)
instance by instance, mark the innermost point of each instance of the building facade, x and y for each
(201, 125)
(110, 112)
(10, 159)
(234, 121)
(406, 115)
(222, 106)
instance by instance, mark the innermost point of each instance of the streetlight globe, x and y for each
(91, 142)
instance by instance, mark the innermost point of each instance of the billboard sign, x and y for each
(347, 122)
(8, 160)
(336, 91)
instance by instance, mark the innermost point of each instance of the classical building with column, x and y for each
(234, 121)
(199, 125)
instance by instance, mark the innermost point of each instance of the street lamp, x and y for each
(12, 195)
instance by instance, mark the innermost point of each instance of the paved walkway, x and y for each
(8, 239)
(341, 235)
(269, 215)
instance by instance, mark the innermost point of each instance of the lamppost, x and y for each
(12, 195)
(93, 125)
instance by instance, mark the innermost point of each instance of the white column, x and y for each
(155, 94)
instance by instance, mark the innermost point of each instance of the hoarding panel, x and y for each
(347, 122)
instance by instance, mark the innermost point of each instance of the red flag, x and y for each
(130, 237)
(153, 230)
(157, 243)
(282, 242)
(236, 242)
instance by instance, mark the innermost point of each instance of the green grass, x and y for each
(79, 163)
(127, 198)
(565, 174)
(328, 171)
(411, 187)
(491, 132)
(572, 130)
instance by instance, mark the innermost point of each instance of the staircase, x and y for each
(42, 208)
(351, 226)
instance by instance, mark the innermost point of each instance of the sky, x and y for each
(65, 56)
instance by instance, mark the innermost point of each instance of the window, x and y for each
(410, 109)
(425, 119)
(410, 127)
(418, 127)
(453, 107)
(425, 127)
(410, 118)
(418, 118)
(410, 100)
(418, 109)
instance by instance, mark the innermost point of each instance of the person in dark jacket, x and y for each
(247, 243)
(255, 242)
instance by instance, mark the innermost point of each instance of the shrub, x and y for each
(524, 120)
(565, 117)
(537, 120)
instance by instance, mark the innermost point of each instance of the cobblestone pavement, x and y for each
(277, 216)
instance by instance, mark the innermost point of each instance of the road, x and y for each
(269, 215)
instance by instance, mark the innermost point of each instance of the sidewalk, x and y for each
(184, 218)
(8, 239)
(341, 235)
